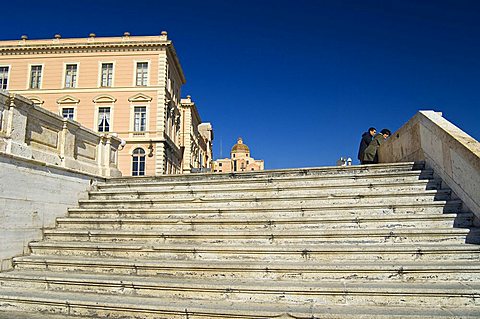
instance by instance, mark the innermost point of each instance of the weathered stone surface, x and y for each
(41, 171)
(382, 241)
(32, 133)
(31, 198)
(453, 154)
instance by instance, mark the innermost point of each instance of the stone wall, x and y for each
(31, 132)
(32, 196)
(46, 163)
(453, 154)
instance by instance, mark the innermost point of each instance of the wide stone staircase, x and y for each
(375, 241)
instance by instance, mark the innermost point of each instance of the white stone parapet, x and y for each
(33, 133)
(452, 153)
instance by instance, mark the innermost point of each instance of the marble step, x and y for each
(305, 181)
(420, 177)
(301, 210)
(121, 307)
(249, 192)
(443, 294)
(35, 315)
(375, 241)
(272, 201)
(258, 237)
(294, 223)
(216, 251)
(325, 172)
(415, 271)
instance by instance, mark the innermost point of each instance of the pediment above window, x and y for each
(140, 98)
(36, 100)
(104, 99)
(68, 99)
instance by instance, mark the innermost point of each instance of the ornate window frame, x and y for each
(104, 100)
(139, 100)
(68, 101)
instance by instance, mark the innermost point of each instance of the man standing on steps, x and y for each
(366, 139)
(370, 155)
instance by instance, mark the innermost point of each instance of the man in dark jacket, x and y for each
(370, 155)
(366, 139)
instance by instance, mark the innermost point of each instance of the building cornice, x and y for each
(189, 104)
(79, 45)
(61, 48)
(58, 45)
(177, 63)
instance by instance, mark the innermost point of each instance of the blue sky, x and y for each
(299, 80)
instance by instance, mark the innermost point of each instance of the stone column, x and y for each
(187, 139)
(67, 142)
(108, 156)
(160, 125)
(160, 158)
(16, 127)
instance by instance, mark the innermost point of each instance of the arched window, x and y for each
(138, 162)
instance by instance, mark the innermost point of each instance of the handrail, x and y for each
(31, 132)
(449, 151)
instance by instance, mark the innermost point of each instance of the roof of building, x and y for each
(92, 43)
(240, 147)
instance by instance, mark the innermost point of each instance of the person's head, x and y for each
(386, 132)
(372, 131)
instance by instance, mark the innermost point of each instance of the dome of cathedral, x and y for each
(240, 147)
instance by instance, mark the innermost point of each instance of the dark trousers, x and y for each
(367, 162)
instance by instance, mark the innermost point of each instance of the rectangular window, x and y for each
(104, 119)
(142, 73)
(107, 74)
(3, 77)
(35, 76)
(71, 76)
(68, 112)
(140, 119)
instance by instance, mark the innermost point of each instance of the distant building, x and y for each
(129, 86)
(195, 138)
(239, 161)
